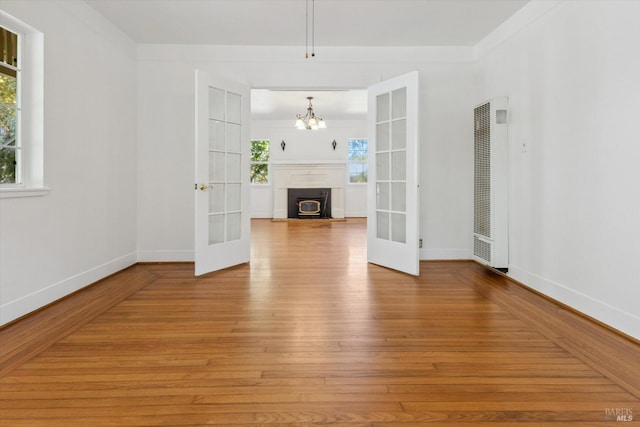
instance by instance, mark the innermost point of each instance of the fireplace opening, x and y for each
(306, 203)
(309, 208)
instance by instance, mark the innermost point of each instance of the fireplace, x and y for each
(329, 177)
(309, 208)
(309, 203)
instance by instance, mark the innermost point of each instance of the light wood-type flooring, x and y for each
(309, 334)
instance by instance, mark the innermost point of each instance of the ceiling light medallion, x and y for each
(309, 121)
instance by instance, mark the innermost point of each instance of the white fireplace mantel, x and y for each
(308, 175)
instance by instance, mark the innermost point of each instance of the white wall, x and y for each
(304, 146)
(85, 228)
(573, 81)
(166, 157)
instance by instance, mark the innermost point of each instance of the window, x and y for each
(21, 109)
(10, 166)
(259, 168)
(358, 153)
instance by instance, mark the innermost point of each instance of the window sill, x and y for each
(7, 193)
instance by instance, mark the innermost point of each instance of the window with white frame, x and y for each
(358, 154)
(21, 109)
(10, 164)
(259, 167)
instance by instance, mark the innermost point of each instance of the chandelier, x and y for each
(309, 121)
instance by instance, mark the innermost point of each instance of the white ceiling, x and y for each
(282, 23)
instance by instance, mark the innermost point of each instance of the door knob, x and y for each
(203, 187)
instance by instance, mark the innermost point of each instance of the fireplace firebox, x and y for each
(309, 208)
(309, 203)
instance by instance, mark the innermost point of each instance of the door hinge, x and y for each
(420, 243)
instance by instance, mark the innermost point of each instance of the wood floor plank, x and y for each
(297, 338)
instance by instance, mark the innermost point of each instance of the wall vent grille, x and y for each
(482, 249)
(482, 171)
(491, 183)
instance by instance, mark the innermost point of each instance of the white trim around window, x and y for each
(31, 126)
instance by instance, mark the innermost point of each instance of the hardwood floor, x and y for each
(309, 334)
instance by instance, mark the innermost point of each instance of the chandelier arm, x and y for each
(310, 120)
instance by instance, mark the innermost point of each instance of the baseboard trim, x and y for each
(597, 311)
(166, 256)
(26, 304)
(429, 254)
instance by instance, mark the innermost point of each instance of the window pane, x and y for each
(358, 145)
(399, 101)
(382, 103)
(399, 134)
(216, 167)
(398, 228)
(357, 155)
(216, 104)
(234, 139)
(358, 172)
(216, 198)
(260, 151)
(216, 229)
(8, 87)
(7, 165)
(259, 157)
(399, 165)
(234, 226)
(9, 47)
(382, 162)
(384, 196)
(382, 228)
(382, 135)
(399, 196)
(234, 197)
(234, 108)
(234, 167)
(216, 135)
(8, 111)
(259, 173)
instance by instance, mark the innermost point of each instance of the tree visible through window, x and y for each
(9, 73)
(358, 152)
(259, 168)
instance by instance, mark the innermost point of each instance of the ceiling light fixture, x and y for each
(309, 121)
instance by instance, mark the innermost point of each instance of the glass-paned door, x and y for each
(393, 189)
(222, 162)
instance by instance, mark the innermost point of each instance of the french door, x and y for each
(393, 181)
(222, 222)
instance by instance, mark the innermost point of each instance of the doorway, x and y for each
(273, 116)
(392, 207)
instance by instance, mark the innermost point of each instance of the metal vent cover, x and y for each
(482, 171)
(482, 249)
